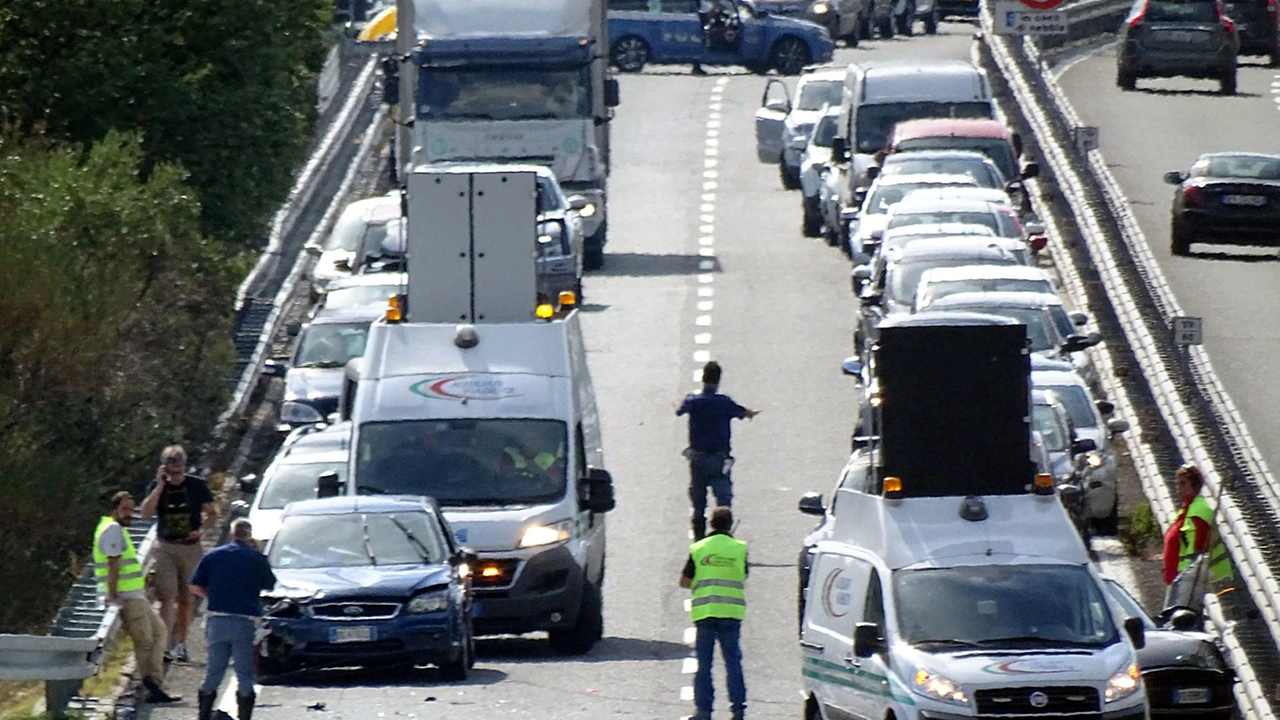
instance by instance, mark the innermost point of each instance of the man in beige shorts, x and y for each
(181, 504)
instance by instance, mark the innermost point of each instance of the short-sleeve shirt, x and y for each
(709, 416)
(233, 576)
(179, 511)
(111, 544)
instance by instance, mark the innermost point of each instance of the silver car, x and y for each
(783, 127)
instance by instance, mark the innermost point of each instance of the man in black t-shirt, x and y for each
(181, 504)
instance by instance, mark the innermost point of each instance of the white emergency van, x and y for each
(471, 395)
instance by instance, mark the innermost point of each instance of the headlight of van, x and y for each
(299, 413)
(1124, 683)
(429, 602)
(937, 687)
(538, 535)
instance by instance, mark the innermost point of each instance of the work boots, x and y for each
(156, 694)
(205, 701)
(244, 705)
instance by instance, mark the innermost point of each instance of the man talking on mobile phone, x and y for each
(181, 504)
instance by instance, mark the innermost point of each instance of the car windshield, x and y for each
(816, 93)
(356, 540)
(995, 148)
(904, 277)
(1127, 605)
(1189, 11)
(1049, 427)
(1245, 167)
(383, 240)
(504, 93)
(331, 345)
(826, 131)
(347, 232)
(1079, 405)
(1066, 326)
(359, 296)
(464, 462)
(875, 122)
(1014, 606)
(933, 218)
(294, 482)
(884, 196)
(983, 174)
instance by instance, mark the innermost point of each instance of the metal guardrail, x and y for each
(1143, 304)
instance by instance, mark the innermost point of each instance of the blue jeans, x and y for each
(229, 638)
(726, 632)
(706, 472)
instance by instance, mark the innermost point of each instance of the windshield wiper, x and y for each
(1035, 639)
(413, 539)
(951, 643)
(368, 545)
(322, 364)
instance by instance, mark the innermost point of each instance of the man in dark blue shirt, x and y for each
(231, 578)
(709, 453)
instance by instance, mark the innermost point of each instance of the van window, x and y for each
(874, 611)
(875, 122)
(580, 451)
(1003, 606)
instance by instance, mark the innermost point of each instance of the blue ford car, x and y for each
(367, 580)
(671, 32)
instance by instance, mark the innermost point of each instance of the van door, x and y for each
(837, 591)
(775, 105)
(874, 671)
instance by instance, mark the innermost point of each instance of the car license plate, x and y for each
(1184, 36)
(1190, 696)
(355, 633)
(1249, 200)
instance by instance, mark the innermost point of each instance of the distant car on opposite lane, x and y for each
(1178, 38)
(1227, 198)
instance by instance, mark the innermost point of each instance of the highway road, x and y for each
(1163, 126)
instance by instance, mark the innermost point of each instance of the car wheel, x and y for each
(789, 55)
(456, 670)
(579, 639)
(931, 23)
(1126, 81)
(790, 178)
(1109, 525)
(629, 54)
(1275, 57)
(811, 225)
(886, 27)
(1228, 83)
(1180, 241)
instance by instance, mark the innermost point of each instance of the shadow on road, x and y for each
(647, 265)
(1232, 256)
(610, 649)
(1194, 91)
(385, 676)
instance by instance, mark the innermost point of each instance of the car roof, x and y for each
(925, 204)
(935, 318)
(889, 68)
(985, 272)
(989, 299)
(949, 127)
(1238, 154)
(350, 315)
(823, 73)
(978, 249)
(376, 209)
(346, 504)
(941, 154)
(369, 279)
(925, 178)
(311, 437)
(941, 229)
(1044, 397)
(962, 192)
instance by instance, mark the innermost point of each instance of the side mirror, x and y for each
(1069, 493)
(1083, 445)
(464, 556)
(1174, 177)
(1185, 620)
(1136, 631)
(249, 483)
(239, 509)
(1117, 426)
(867, 640)
(851, 366)
(859, 277)
(870, 296)
(1079, 319)
(839, 149)
(612, 93)
(328, 485)
(1030, 170)
(343, 264)
(1105, 407)
(873, 172)
(811, 504)
(1034, 228)
(313, 250)
(294, 329)
(578, 202)
(275, 368)
(598, 489)
(1076, 343)
(390, 80)
(779, 106)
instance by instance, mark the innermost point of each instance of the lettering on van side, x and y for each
(835, 593)
(463, 388)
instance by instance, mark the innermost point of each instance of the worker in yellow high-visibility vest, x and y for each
(121, 582)
(716, 571)
(1192, 530)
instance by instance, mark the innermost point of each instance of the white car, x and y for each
(923, 209)
(361, 291)
(941, 282)
(815, 161)
(363, 223)
(884, 194)
(782, 129)
(306, 454)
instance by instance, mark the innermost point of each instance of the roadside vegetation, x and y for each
(143, 148)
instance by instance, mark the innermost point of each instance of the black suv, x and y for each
(1169, 38)
(1258, 22)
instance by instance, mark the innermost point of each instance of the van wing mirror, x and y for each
(1105, 407)
(328, 485)
(1083, 445)
(1136, 631)
(839, 149)
(1030, 170)
(1173, 177)
(596, 492)
(867, 640)
(852, 366)
(1117, 426)
(249, 484)
(811, 504)
(612, 93)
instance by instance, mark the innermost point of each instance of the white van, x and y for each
(950, 607)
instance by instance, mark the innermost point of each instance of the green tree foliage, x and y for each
(223, 87)
(114, 311)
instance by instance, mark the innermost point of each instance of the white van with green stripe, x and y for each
(937, 608)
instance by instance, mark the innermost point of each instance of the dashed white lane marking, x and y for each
(710, 174)
(707, 252)
(700, 356)
(709, 185)
(702, 338)
(707, 240)
(702, 321)
(706, 278)
(708, 205)
(686, 693)
(690, 634)
(706, 229)
(706, 292)
(689, 666)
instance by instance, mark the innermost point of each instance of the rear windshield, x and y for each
(995, 148)
(982, 173)
(1250, 167)
(875, 122)
(816, 93)
(1192, 11)
(933, 218)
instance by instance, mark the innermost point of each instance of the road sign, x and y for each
(1188, 331)
(1085, 137)
(1022, 18)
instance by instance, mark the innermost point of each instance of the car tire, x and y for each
(790, 178)
(1126, 81)
(456, 670)
(579, 639)
(1228, 83)
(789, 55)
(592, 251)
(886, 27)
(1109, 525)
(931, 23)
(630, 53)
(811, 224)
(1275, 58)
(1180, 241)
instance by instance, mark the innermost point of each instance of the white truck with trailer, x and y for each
(469, 394)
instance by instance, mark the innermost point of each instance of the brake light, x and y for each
(1038, 242)
(1136, 22)
(1192, 197)
(1227, 23)
(1273, 8)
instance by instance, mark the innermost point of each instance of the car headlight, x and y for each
(819, 8)
(938, 687)
(587, 210)
(538, 535)
(1124, 683)
(429, 602)
(299, 413)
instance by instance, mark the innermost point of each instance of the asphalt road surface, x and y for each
(1164, 125)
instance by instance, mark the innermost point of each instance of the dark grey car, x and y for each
(1170, 38)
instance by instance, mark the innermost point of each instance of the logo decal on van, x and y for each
(835, 594)
(1031, 666)
(463, 388)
